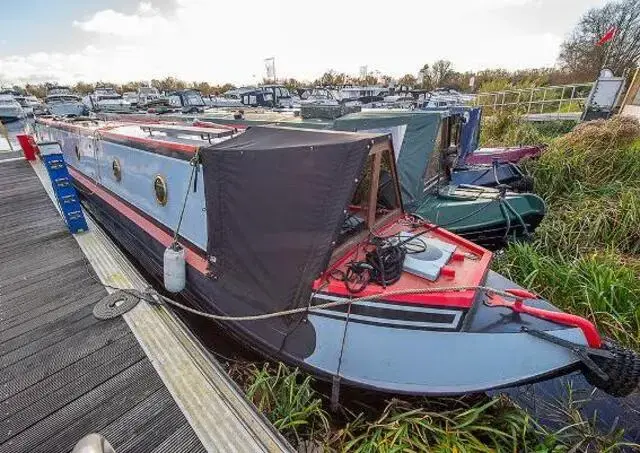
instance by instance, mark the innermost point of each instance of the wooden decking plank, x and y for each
(23, 419)
(89, 413)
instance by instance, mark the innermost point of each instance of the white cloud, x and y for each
(227, 41)
(144, 22)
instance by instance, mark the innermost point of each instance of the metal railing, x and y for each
(552, 99)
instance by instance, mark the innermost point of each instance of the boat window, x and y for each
(175, 101)
(268, 97)
(386, 201)
(160, 189)
(77, 152)
(193, 99)
(283, 93)
(116, 169)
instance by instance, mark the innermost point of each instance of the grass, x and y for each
(441, 426)
(509, 129)
(477, 423)
(584, 259)
(288, 400)
(585, 255)
(600, 286)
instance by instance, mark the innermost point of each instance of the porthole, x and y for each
(77, 152)
(116, 169)
(160, 188)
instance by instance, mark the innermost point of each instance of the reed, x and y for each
(441, 426)
(474, 423)
(508, 129)
(288, 400)
(594, 157)
(602, 286)
(590, 221)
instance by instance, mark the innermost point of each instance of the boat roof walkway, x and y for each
(141, 380)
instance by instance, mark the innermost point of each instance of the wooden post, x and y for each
(373, 190)
(530, 101)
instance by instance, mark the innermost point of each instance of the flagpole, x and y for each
(606, 54)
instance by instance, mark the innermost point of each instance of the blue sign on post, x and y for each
(51, 154)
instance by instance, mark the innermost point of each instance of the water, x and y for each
(548, 402)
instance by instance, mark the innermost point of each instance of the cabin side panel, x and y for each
(139, 170)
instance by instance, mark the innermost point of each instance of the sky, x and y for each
(227, 41)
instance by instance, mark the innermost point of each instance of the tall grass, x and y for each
(488, 426)
(510, 129)
(585, 256)
(286, 397)
(468, 424)
(602, 286)
(592, 157)
(592, 220)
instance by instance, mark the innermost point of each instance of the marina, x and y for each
(379, 247)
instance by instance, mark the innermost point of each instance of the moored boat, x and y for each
(106, 99)
(287, 226)
(10, 109)
(430, 188)
(65, 104)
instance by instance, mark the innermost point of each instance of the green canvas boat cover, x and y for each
(414, 136)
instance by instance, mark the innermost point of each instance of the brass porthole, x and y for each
(160, 188)
(77, 152)
(116, 169)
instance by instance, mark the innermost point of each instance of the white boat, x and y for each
(106, 99)
(443, 97)
(365, 95)
(10, 109)
(231, 98)
(320, 96)
(36, 105)
(131, 97)
(65, 104)
(148, 95)
(58, 90)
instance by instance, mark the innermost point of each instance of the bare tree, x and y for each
(580, 53)
(408, 80)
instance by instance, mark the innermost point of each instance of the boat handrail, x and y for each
(203, 133)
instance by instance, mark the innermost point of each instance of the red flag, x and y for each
(608, 36)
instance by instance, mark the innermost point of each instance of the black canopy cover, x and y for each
(275, 201)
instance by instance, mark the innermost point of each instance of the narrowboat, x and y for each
(487, 167)
(485, 215)
(289, 227)
(512, 154)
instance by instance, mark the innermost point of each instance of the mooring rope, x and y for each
(150, 293)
